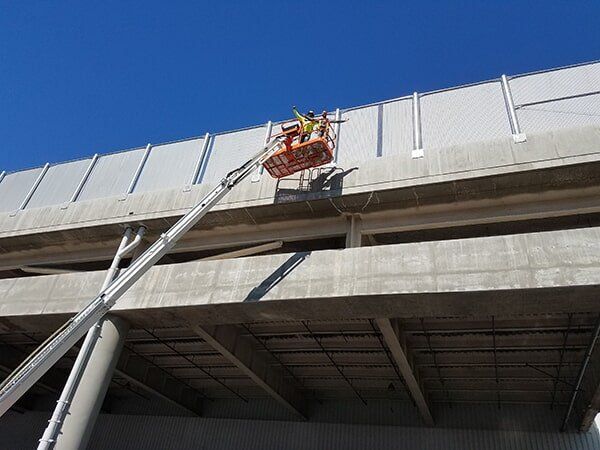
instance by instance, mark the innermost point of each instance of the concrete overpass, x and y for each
(440, 283)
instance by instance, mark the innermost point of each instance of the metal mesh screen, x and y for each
(397, 128)
(358, 137)
(59, 184)
(555, 84)
(169, 165)
(15, 186)
(573, 112)
(469, 114)
(227, 151)
(111, 175)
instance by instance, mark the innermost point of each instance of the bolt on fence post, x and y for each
(257, 174)
(199, 163)
(518, 136)
(417, 151)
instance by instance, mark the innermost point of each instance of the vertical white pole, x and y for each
(84, 179)
(256, 175)
(139, 169)
(417, 151)
(35, 186)
(512, 112)
(200, 162)
(338, 117)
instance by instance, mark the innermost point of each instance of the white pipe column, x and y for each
(95, 378)
(101, 330)
(518, 136)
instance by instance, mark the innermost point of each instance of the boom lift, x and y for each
(284, 155)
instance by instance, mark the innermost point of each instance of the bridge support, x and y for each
(91, 390)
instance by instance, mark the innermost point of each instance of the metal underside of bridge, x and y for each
(445, 292)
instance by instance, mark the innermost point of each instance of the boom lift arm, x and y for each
(49, 352)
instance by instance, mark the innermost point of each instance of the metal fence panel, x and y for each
(573, 112)
(555, 84)
(58, 184)
(397, 128)
(359, 136)
(469, 114)
(14, 188)
(111, 175)
(229, 150)
(169, 165)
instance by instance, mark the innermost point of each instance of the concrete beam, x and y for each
(246, 251)
(391, 336)
(195, 240)
(386, 176)
(142, 373)
(553, 272)
(89, 247)
(261, 367)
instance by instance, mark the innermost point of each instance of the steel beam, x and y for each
(142, 373)
(240, 350)
(391, 336)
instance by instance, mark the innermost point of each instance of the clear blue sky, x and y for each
(83, 77)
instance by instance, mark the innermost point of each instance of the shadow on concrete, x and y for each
(312, 184)
(276, 277)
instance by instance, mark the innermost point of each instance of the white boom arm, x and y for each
(49, 352)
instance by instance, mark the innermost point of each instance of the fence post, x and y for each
(257, 174)
(199, 164)
(518, 136)
(338, 117)
(34, 187)
(84, 179)
(138, 171)
(417, 151)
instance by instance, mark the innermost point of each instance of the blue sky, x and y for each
(78, 78)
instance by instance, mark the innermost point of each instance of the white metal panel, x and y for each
(556, 84)
(169, 165)
(14, 188)
(229, 150)
(397, 128)
(58, 184)
(573, 112)
(469, 114)
(358, 136)
(111, 175)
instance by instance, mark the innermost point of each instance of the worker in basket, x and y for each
(307, 121)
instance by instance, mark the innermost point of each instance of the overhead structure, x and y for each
(46, 355)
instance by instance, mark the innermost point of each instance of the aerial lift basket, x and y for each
(316, 150)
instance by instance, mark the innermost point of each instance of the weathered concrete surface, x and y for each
(549, 272)
(470, 161)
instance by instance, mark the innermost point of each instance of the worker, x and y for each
(323, 124)
(307, 123)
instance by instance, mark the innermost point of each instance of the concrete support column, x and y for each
(353, 233)
(90, 393)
